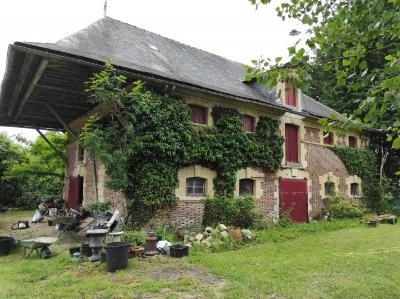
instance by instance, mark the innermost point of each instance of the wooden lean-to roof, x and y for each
(43, 84)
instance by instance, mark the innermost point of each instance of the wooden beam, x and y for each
(60, 89)
(39, 72)
(22, 76)
(58, 153)
(61, 105)
(65, 125)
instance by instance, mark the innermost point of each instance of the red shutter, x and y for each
(291, 144)
(248, 123)
(73, 192)
(352, 141)
(290, 94)
(198, 114)
(328, 139)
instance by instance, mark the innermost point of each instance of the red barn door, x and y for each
(75, 192)
(294, 199)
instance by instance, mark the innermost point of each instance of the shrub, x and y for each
(342, 208)
(237, 211)
(134, 236)
(99, 207)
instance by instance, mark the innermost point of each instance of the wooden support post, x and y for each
(65, 125)
(35, 79)
(58, 153)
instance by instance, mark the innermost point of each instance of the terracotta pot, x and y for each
(138, 251)
(236, 234)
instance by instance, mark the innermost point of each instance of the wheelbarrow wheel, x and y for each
(44, 252)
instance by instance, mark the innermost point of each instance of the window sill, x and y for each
(293, 165)
(192, 198)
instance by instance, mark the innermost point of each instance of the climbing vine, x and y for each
(362, 162)
(148, 137)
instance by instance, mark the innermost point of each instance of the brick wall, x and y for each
(188, 213)
(86, 170)
(321, 160)
(266, 204)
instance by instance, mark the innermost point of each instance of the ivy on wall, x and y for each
(148, 137)
(362, 162)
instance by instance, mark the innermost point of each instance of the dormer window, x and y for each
(247, 123)
(290, 94)
(198, 114)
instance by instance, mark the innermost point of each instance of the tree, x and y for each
(351, 59)
(39, 172)
(10, 154)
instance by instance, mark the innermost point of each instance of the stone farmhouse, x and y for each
(43, 89)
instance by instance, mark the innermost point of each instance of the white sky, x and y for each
(230, 28)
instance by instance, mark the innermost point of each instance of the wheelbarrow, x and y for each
(40, 245)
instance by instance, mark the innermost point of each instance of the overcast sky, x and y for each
(230, 28)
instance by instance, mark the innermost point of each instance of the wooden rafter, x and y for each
(65, 125)
(58, 153)
(22, 76)
(60, 89)
(39, 72)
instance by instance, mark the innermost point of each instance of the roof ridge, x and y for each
(171, 39)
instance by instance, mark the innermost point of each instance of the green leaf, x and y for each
(346, 62)
(389, 57)
(397, 173)
(396, 143)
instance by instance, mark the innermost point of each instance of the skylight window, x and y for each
(154, 47)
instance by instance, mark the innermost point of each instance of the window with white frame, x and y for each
(246, 187)
(329, 188)
(195, 186)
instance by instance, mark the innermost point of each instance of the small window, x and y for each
(246, 187)
(247, 123)
(354, 189)
(352, 141)
(329, 189)
(328, 138)
(195, 187)
(291, 144)
(81, 153)
(290, 94)
(198, 115)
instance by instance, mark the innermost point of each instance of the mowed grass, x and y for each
(357, 262)
(318, 260)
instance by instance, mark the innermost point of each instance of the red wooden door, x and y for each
(291, 143)
(73, 192)
(294, 199)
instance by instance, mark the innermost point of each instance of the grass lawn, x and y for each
(304, 261)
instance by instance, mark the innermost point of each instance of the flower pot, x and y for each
(179, 250)
(103, 257)
(86, 250)
(117, 255)
(5, 245)
(74, 250)
(138, 252)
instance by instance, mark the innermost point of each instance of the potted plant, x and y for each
(161, 232)
(136, 239)
(99, 209)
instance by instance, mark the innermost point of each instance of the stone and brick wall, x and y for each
(321, 161)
